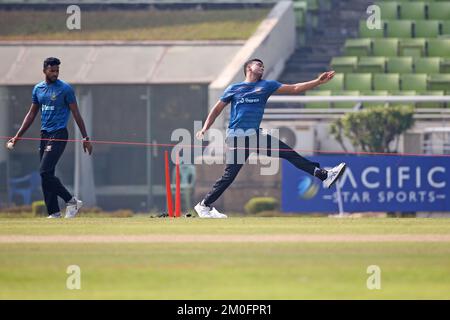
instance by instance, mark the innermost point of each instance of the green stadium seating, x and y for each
(412, 47)
(445, 65)
(358, 81)
(399, 65)
(337, 83)
(439, 47)
(311, 105)
(300, 11)
(417, 82)
(431, 104)
(344, 64)
(427, 28)
(399, 28)
(373, 93)
(386, 81)
(439, 10)
(385, 47)
(365, 32)
(402, 93)
(389, 10)
(439, 82)
(412, 10)
(446, 28)
(357, 47)
(410, 55)
(313, 5)
(371, 64)
(345, 93)
(427, 65)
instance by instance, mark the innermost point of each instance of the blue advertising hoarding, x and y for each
(371, 183)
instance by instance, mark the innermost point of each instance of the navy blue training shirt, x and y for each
(53, 100)
(248, 100)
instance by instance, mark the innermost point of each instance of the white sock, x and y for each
(315, 170)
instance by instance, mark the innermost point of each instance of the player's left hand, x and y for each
(326, 76)
(87, 147)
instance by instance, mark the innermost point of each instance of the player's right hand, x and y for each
(200, 134)
(13, 141)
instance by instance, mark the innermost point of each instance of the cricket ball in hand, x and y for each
(10, 145)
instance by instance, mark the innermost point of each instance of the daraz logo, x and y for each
(248, 100)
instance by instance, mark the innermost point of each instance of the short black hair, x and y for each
(51, 62)
(249, 62)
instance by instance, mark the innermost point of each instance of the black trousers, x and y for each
(50, 152)
(267, 145)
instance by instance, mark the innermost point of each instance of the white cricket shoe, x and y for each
(55, 215)
(217, 214)
(73, 206)
(203, 211)
(334, 174)
(208, 212)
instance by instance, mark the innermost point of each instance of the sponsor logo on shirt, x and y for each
(47, 108)
(248, 100)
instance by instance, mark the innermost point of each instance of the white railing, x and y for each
(303, 99)
(295, 111)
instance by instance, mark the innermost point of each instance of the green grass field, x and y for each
(132, 24)
(224, 269)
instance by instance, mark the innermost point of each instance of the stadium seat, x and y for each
(371, 64)
(313, 5)
(411, 81)
(427, 28)
(337, 83)
(358, 81)
(389, 10)
(399, 28)
(402, 93)
(345, 93)
(23, 187)
(357, 47)
(445, 65)
(399, 65)
(427, 65)
(439, 82)
(431, 104)
(446, 28)
(344, 64)
(373, 93)
(412, 10)
(300, 11)
(439, 10)
(365, 32)
(439, 47)
(412, 47)
(385, 47)
(312, 105)
(386, 81)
